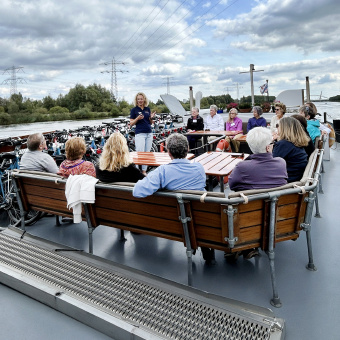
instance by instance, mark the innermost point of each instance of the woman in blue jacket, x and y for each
(142, 117)
(257, 120)
(290, 146)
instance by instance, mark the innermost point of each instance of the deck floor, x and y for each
(311, 300)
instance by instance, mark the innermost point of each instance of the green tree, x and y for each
(17, 99)
(13, 107)
(58, 109)
(76, 98)
(48, 102)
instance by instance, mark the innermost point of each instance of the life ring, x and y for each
(331, 136)
(223, 146)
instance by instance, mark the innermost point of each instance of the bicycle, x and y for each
(8, 202)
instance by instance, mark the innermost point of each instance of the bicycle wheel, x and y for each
(13, 209)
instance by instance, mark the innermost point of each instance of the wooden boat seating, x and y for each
(244, 220)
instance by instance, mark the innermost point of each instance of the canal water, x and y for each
(331, 108)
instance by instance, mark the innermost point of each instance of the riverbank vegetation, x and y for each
(335, 98)
(91, 102)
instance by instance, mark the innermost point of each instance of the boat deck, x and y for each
(311, 300)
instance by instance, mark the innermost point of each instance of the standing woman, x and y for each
(142, 117)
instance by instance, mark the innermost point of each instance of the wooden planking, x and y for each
(287, 211)
(251, 206)
(41, 182)
(208, 219)
(251, 218)
(287, 226)
(112, 193)
(206, 235)
(106, 217)
(205, 207)
(138, 207)
(55, 193)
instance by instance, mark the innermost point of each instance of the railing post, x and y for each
(184, 219)
(275, 301)
(89, 226)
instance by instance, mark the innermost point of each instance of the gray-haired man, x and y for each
(36, 160)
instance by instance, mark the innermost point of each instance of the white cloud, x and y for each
(204, 44)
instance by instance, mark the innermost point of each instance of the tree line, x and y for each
(91, 102)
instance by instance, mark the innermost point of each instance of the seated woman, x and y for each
(233, 123)
(257, 120)
(290, 146)
(115, 164)
(195, 123)
(310, 147)
(74, 164)
(280, 110)
(234, 126)
(260, 170)
(313, 125)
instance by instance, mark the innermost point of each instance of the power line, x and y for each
(121, 55)
(137, 48)
(13, 80)
(188, 35)
(113, 72)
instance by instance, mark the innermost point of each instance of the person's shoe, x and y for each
(249, 253)
(208, 255)
(232, 257)
(67, 219)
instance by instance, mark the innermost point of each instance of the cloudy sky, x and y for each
(54, 44)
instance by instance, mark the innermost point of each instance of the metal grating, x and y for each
(170, 315)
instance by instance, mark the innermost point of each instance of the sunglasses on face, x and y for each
(277, 109)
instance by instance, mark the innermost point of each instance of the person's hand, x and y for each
(275, 135)
(141, 116)
(270, 147)
(323, 132)
(152, 115)
(189, 130)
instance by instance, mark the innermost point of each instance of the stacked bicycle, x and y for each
(8, 202)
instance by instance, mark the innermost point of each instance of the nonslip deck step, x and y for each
(122, 302)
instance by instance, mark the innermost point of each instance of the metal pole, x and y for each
(307, 90)
(252, 84)
(191, 97)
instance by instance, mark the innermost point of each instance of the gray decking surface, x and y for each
(311, 300)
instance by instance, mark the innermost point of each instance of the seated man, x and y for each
(260, 170)
(180, 174)
(36, 160)
(213, 122)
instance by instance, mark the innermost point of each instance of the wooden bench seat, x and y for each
(244, 220)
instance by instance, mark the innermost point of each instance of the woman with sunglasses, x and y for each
(280, 110)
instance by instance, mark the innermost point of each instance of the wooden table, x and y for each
(206, 134)
(219, 164)
(153, 158)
